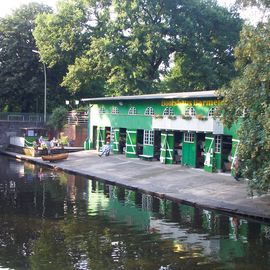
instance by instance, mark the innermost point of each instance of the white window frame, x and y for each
(115, 110)
(218, 143)
(101, 110)
(148, 137)
(189, 137)
(211, 112)
(190, 111)
(149, 111)
(168, 111)
(132, 111)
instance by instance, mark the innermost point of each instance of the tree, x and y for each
(250, 94)
(207, 59)
(63, 37)
(58, 119)
(21, 74)
(125, 47)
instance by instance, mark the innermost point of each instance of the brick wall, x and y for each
(76, 134)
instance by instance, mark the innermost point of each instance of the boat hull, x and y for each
(55, 157)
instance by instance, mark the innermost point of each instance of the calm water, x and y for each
(53, 220)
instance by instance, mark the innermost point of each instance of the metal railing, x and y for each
(21, 117)
(73, 117)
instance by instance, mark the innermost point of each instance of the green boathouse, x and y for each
(175, 128)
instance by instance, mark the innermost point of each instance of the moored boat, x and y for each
(55, 157)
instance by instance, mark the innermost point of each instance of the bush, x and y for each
(58, 119)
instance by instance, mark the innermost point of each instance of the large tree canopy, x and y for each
(21, 74)
(127, 47)
(250, 94)
(207, 60)
(64, 38)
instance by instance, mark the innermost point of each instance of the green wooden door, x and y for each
(116, 137)
(208, 153)
(148, 143)
(163, 150)
(131, 141)
(234, 154)
(100, 137)
(167, 148)
(218, 152)
(189, 149)
(170, 148)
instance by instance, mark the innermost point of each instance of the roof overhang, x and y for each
(182, 95)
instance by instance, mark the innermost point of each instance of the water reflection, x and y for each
(53, 220)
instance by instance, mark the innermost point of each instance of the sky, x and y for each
(8, 5)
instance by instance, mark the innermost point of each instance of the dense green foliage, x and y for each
(128, 47)
(250, 93)
(21, 74)
(58, 119)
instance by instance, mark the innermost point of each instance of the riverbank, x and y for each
(175, 182)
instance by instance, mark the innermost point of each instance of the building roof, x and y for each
(182, 95)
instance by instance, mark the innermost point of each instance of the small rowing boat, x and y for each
(55, 157)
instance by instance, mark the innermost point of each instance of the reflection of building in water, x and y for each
(190, 228)
(147, 202)
(117, 209)
(71, 188)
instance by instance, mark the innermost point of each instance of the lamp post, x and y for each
(73, 114)
(69, 103)
(45, 87)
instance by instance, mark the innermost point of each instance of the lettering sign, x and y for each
(196, 102)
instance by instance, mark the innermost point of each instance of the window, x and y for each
(149, 111)
(148, 137)
(132, 111)
(168, 111)
(190, 111)
(212, 112)
(189, 137)
(218, 141)
(115, 110)
(101, 110)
